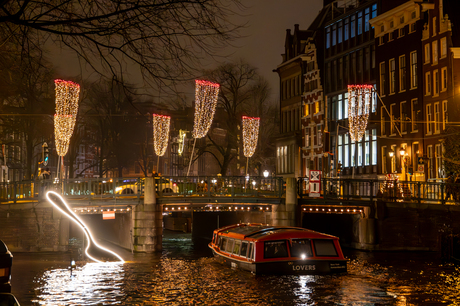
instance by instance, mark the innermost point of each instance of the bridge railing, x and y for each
(118, 188)
(387, 190)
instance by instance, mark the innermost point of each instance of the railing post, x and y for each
(443, 201)
(371, 187)
(419, 185)
(15, 187)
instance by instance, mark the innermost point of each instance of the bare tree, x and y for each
(26, 106)
(162, 39)
(242, 92)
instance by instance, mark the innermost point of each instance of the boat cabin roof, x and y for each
(268, 232)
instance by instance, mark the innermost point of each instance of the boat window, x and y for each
(229, 245)
(236, 247)
(223, 243)
(214, 238)
(275, 249)
(325, 247)
(244, 249)
(251, 251)
(301, 247)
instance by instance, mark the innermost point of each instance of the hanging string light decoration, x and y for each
(359, 97)
(250, 135)
(206, 94)
(161, 127)
(67, 94)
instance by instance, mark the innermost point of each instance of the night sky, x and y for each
(261, 45)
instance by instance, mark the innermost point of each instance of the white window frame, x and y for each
(392, 75)
(427, 53)
(429, 120)
(437, 118)
(434, 46)
(435, 83)
(428, 83)
(413, 70)
(443, 79)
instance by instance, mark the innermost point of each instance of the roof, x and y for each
(268, 232)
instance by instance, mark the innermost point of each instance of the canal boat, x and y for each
(265, 249)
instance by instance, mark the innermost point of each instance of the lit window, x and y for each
(413, 69)
(427, 83)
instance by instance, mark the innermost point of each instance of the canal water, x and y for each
(185, 273)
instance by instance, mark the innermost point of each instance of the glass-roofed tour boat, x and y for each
(265, 249)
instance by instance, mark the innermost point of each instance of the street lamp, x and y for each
(266, 173)
(391, 154)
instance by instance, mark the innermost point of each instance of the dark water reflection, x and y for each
(186, 274)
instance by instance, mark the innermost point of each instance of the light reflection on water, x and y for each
(90, 284)
(186, 274)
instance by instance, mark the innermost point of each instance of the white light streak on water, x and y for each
(94, 283)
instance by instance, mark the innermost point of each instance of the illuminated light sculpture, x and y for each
(67, 94)
(250, 137)
(359, 98)
(66, 210)
(359, 101)
(161, 127)
(206, 94)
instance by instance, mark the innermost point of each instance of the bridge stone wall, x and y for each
(33, 227)
(390, 226)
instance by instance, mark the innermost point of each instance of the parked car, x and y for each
(132, 186)
(8, 299)
(6, 261)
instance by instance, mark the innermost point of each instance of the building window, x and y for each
(393, 160)
(401, 32)
(317, 107)
(367, 149)
(340, 148)
(374, 100)
(346, 151)
(429, 150)
(374, 146)
(340, 108)
(392, 67)
(438, 156)
(384, 159)
(328, 37)
(345, 30)
(392, 119)
(437, 118)
(428, 83)
(443, 78)
(380, 40)
(360, 23)
(374, 11)
(403, 115)
(443, 47)
(352, 29)
(436, 82)
(339, 32)
(434, 26)
(382, 121)
(382, 79)
(414, 115)
(402, 73)
(429, 120)
(345, 105)
(434, 46)
(391, 36)
(366, 19)
(412, 28)
(413, 69)
(319, 132)
(427, 53)
(360, 153)
(444, 114)
(334, 34)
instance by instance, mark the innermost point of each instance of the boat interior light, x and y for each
(303, 256)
